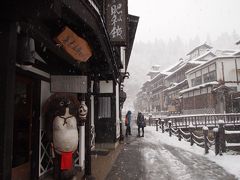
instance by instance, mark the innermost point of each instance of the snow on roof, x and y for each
(159, 74)
(152, 72)
(209, 61)
(196, 60)
(204, 44)
(222, 87)
(237, 53)
(198, 87)
(174, 85)
(173, 67)
(156, 65)
(226, 52)
(165, 73)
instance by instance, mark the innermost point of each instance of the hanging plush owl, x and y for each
(61, 114)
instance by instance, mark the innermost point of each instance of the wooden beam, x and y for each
(88, 162)
(8, 46)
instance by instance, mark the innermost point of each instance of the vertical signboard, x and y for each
(116, 19)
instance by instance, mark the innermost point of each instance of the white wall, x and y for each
(229, 69)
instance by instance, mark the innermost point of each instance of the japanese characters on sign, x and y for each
(68, 83)
(116, 12)
(74, 45)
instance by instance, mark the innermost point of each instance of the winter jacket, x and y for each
(128, 116)
(140, 120)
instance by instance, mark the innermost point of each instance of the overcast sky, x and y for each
(165, 19)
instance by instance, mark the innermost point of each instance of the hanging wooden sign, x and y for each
(116, 18)
(74, 45)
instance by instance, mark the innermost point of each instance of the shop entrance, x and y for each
(22, 131)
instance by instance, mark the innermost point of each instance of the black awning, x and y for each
(54, 15)
(132, 28)
(91, 16)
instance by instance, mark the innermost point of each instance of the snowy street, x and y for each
(157, 156)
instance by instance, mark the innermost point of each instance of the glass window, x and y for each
(211, 76)
(104, 108)
(198, 80)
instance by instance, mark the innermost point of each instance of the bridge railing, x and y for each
(201, 120)
(184, 128)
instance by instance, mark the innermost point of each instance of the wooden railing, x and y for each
(210, 120)
(190, 136)
(184, 128)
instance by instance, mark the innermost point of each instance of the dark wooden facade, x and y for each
(199, 102)
(43, 21)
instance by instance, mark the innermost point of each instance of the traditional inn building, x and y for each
(165, 86)
(212, 86)
(177, 81)
(158, 87)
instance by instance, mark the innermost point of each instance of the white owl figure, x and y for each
(83, 110)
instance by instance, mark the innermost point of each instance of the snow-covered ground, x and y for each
(229, 161)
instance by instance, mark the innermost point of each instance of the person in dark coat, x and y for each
(141, 123)
(128, 123)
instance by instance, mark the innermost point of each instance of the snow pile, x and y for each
(228, 161)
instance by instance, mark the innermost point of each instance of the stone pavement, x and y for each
(102, 164)
(148, 158)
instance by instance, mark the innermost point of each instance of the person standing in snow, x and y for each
(141, 123)
(128, 123)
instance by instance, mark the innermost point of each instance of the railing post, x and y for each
(185, 118)
(179, 134)
(191, 133)
(162, 123)
(216, 138)
(222, 136)
(205, 134)
(170, 128)
(156, 124)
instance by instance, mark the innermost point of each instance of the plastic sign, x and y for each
(74, 45)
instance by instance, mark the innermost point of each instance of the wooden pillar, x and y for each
(205, 134)
(222, 136)
(162, 123)
(216, 138)
(121, 125)
(179, 134)
(191, 129)
(170, 128)
(88, 162)
(8, 47)
(157, 124)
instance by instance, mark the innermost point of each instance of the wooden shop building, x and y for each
(60, 46)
